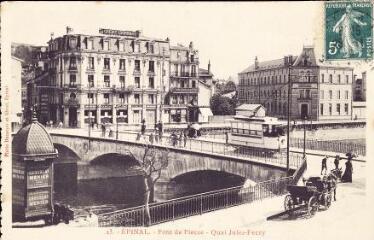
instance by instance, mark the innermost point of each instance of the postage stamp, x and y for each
(348, 30)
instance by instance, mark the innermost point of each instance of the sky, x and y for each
(230, 35)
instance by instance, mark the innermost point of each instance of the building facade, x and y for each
(318, 91)
(15, 93)
(120, 77)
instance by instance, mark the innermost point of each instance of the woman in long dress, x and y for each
(347, 176)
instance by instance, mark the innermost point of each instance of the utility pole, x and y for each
(305, 118)
(288, 114)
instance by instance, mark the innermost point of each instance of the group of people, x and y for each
(347, 176)
(180, 140)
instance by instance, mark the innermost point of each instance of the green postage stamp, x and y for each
(348, 30)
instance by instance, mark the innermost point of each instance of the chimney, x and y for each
(69, 30)
(256, 63)
(209, 67)
(191, 45)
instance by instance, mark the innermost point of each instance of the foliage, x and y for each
(221, 105)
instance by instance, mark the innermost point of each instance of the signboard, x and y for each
(119, 32)
(38, 178)
(38, 199)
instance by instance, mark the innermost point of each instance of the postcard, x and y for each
(187, 120)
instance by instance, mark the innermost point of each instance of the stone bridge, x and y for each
(181, 161)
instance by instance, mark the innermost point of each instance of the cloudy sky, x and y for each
(230, 35)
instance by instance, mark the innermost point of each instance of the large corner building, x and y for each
(120, 77)
(319, 91)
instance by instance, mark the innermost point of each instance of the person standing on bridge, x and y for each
(324, 165)
(143, 127)
(336, 161)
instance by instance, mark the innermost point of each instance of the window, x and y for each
(192, 57)
(91, 63)
(339, 79)
(338, 94)
(322, 78)
(106, 98)
(137, 99)
(137, 82)
(90, 98)
(175, 69)
(72, 80)
(137, 65)
(174, 100)
(73, 63)
(90, 44)
(193, 71)
(321, 109)
(151, 66)
(106, 81)
(307, 93)
(91, 81)
(151, 99)
(338, 108)
(346, 95)
(346, 108)
(151, 48)
(322, 94)
(122, 98)
(137, 47)
(106, 45)
(122, 64)
(193, 84)
(346, 78)
(330, 94)
(122, 81)
(121, 46)
(330, 109)
(106, 63)
(330, 78)
(301, 93)
(151, 82)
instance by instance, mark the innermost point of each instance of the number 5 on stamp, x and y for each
(348, 30)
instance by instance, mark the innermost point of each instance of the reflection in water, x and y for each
(112, 193)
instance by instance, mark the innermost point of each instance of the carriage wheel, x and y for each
(288, 204)
(327, 200)
(313, 206)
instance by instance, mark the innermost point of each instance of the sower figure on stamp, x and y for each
(324, 165)
(350, 44)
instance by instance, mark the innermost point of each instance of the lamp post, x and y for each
(288, 115)
(116, 124)
(304, 123)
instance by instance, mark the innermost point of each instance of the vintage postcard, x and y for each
(187, 120)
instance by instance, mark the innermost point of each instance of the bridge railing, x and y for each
(339, 146)
(195, 204)
(217, 148)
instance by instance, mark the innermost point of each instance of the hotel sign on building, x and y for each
(119, 32)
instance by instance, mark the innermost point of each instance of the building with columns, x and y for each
(319, 91)
(120, 77)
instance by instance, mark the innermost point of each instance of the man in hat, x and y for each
(324, 165)
(336, 161)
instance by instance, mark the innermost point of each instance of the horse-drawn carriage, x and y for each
(316, 192)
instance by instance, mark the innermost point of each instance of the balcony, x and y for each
(72, 85)
(124, 88)
(151, 74)
(137, 72)
(184, 90)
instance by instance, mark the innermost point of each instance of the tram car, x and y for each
(258, 133)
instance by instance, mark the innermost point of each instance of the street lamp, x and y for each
(304, 123)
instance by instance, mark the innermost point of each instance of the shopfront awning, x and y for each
(205, 112)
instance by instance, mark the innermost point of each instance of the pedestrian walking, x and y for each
(103, 130)
(143, 127)
(324, 165)
(347, 176)
(336, 161)
(180, 139)
(184, 138)
(151, 138)
(173, 138)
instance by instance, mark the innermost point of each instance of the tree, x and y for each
(221, 105)
(153, 161)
